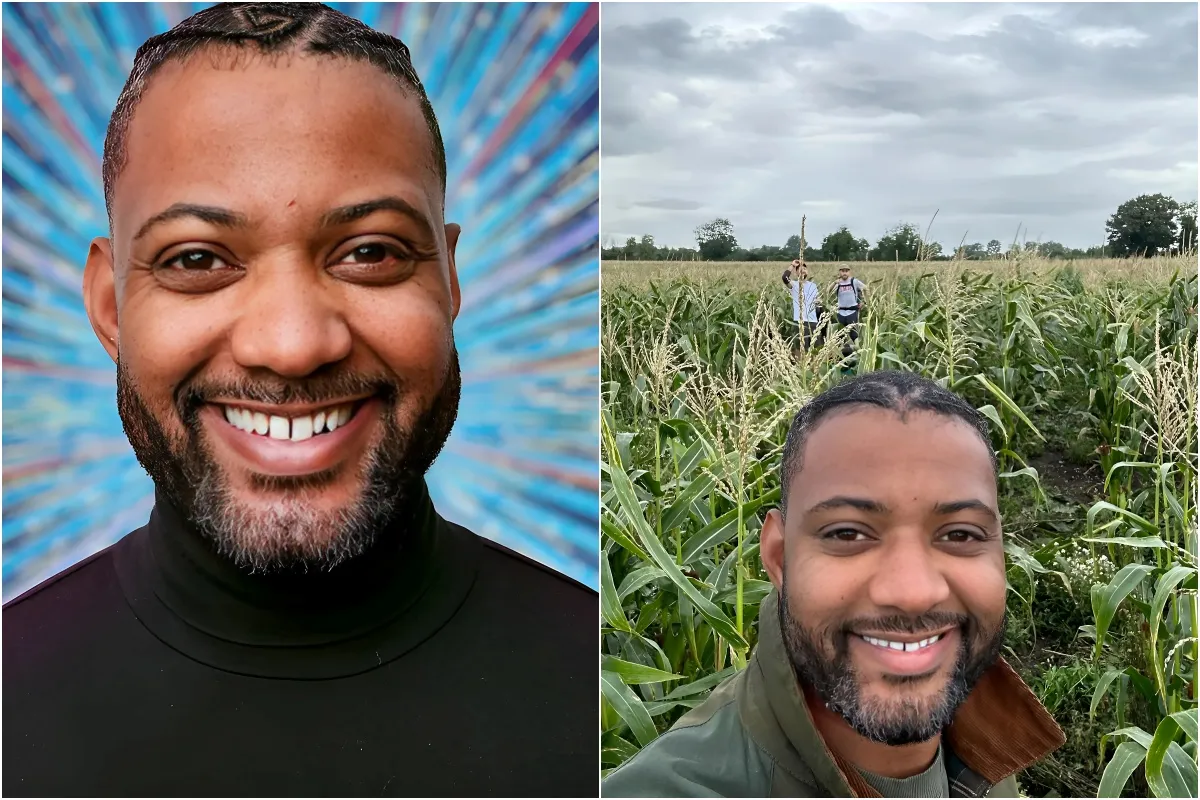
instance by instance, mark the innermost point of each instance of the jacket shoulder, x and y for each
(707, 753)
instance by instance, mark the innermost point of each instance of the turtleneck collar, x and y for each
(319, 624)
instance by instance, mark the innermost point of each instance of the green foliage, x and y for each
(715, 239)
(842, 246)
(1146, 225)
(700, 380)
(901, 243)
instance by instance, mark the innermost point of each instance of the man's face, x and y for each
(890, 566)
(844, 273)
(286, 367)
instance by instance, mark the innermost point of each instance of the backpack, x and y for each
(857, 290)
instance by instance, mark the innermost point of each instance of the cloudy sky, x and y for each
(1040, 115)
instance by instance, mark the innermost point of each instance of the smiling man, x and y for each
(278, 294)
(877, 671)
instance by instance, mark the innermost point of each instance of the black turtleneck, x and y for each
(436, 664)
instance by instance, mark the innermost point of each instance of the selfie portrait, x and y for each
(300, 399)
(899, 400)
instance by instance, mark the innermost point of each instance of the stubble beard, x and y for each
(286, 533)
(906, 719)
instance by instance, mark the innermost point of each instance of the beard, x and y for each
(288, 533)
(904, 720)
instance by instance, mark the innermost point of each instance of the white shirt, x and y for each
(804, 294)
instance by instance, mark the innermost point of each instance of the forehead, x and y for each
(236, 130)
(870, 452)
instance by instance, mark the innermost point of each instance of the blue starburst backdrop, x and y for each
(516, 90)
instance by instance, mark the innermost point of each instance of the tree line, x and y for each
(1147, 225)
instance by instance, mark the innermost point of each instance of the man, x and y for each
(278, 293)
(877, 671)
(849, 295)
(806, 310)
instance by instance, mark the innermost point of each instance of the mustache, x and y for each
(925, 623)
(315, 390)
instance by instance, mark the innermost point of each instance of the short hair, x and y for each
(901, 392)
(275, 28)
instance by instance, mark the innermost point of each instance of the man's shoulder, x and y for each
(707, 753)
(61, 616)
(76, 584)
(513, 583)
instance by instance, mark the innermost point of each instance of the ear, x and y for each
(100, 294)
(771, 545)
(452, 233)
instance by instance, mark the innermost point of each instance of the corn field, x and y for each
(1088, 376)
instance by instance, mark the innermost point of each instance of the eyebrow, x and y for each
(347, 214)
(343, 215)
(945, 509)
(213, 215)
(874, 507)
(841, 501)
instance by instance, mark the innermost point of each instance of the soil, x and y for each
(1078, 483)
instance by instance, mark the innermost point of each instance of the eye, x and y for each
(963, 536)
(370, 253)
(376, 263)
(194, 261)
(845, 535)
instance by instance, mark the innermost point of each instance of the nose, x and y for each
(909, 578)
(290, 321)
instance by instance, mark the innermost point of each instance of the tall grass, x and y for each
(1088, 375)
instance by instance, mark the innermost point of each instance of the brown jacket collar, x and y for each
(1000, 730)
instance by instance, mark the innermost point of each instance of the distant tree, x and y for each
(932, 251)
(1051, 250)
(1143, 226)
(793, 245)
(812, 254)
(994, 248)
(716, 239)
(901, 243)
(973, 251)
(1186, 243)
(646, 249)
(842, 246)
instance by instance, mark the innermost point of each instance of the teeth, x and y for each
(302, 428)
(280, 428)
(908, 647)
(295, 429)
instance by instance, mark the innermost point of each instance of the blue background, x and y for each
(516, 91)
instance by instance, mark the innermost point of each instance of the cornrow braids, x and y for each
(901, 392)
(273, 28)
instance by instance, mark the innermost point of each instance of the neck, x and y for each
(887, 761)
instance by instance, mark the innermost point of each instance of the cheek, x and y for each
(409, 330)
(981, 587)
(823, 590)
(165, 338)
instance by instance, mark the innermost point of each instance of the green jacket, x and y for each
(754, 737)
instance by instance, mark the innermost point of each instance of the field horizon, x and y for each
(751, 274)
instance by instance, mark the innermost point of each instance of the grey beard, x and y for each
(289, 534)
(896, 722)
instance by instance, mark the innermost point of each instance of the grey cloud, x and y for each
(990, 112)
(671, 204)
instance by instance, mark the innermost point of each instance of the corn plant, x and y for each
(702, 370)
